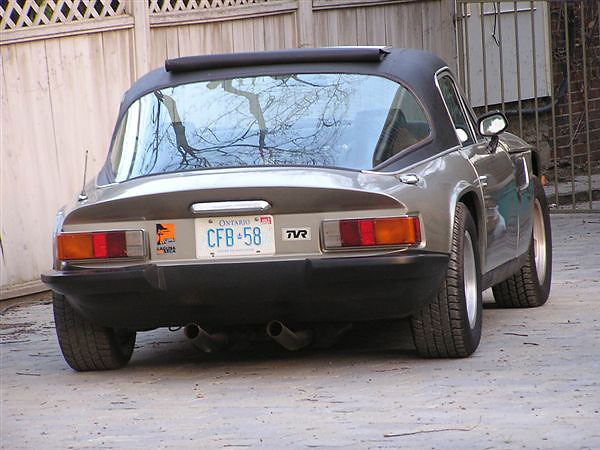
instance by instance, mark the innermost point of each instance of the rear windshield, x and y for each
(337, 120)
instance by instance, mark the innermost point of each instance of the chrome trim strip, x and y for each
(526, 169)
(243, 206)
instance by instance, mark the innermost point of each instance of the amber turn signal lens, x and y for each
(75, 246)
(403, 230)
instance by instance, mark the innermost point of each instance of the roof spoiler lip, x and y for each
(290, 56)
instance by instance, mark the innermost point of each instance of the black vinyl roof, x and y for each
(415, 69)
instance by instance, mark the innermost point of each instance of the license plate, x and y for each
(222, 237)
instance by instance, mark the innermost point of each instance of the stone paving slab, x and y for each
(533, 383)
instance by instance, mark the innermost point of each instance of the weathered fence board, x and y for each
(59, 97)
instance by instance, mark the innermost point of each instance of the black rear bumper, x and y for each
(224, 294)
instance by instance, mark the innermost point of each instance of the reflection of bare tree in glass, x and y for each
(277, 120)
(255, 110)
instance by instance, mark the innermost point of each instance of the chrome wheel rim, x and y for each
(470, 279)
(539, 241)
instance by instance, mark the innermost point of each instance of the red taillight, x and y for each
(100, 245)
(393, 231)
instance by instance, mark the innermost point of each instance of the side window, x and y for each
(456, 111)
(405, 125)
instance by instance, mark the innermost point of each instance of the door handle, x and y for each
(483, 179)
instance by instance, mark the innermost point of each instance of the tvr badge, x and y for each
(295, 234)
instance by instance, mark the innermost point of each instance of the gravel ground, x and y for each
(533, 383)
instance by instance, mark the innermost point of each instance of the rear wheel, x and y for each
(450, 325)
(530, 285)
(87, 346)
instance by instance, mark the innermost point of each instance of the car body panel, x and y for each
(497, 176)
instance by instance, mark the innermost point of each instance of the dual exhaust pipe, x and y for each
(287, 338)
(276, 330)
(208, 343)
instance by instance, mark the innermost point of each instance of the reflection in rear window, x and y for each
(338, 120)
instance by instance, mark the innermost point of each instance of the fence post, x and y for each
(306, 31)
(138, 9)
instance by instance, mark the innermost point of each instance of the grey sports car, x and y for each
(289, 194)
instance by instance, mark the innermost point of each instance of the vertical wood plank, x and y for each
(346, 31)
(396, 23)
(321, 35)
(290, 31)
(15, 162)
(413, 33)
(273, 37)
(26, 242)
(227, 37)
(243, 33)
(184, 41)
(172, 43)
(446, 35)
(431, 18)
(376, 25)
(305, 24)
(142, 34)
(159, 47)
(258, 31)
(361, 26)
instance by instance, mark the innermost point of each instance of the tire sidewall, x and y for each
(472, 335)
(543, 290)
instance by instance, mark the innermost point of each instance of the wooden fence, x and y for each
(66, 63)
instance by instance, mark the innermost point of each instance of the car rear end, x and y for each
(230, 200)
(335, 247)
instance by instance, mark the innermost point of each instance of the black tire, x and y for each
(524, 289)
(87, 346)
(442, 329)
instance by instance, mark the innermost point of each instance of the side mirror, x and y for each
(492, 124)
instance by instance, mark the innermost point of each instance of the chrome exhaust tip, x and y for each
(204, 341)
(287, 338)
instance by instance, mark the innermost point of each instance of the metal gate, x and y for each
(539, 62)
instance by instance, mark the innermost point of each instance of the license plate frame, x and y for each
(213, 240)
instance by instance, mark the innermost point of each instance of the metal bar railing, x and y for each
(467, 58)
(518, 66)
(535, 86)
(483, 58)
(553, 103)
(586, 101)
(460, 44)
(501, 59)
(569, 100)
(548, 85)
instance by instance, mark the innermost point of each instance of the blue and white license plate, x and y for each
(222, 237)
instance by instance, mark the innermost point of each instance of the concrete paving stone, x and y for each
(533, 383)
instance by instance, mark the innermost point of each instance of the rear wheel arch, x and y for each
(474, 205)
(450, 324)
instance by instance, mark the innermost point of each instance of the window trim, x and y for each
(445, 72)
